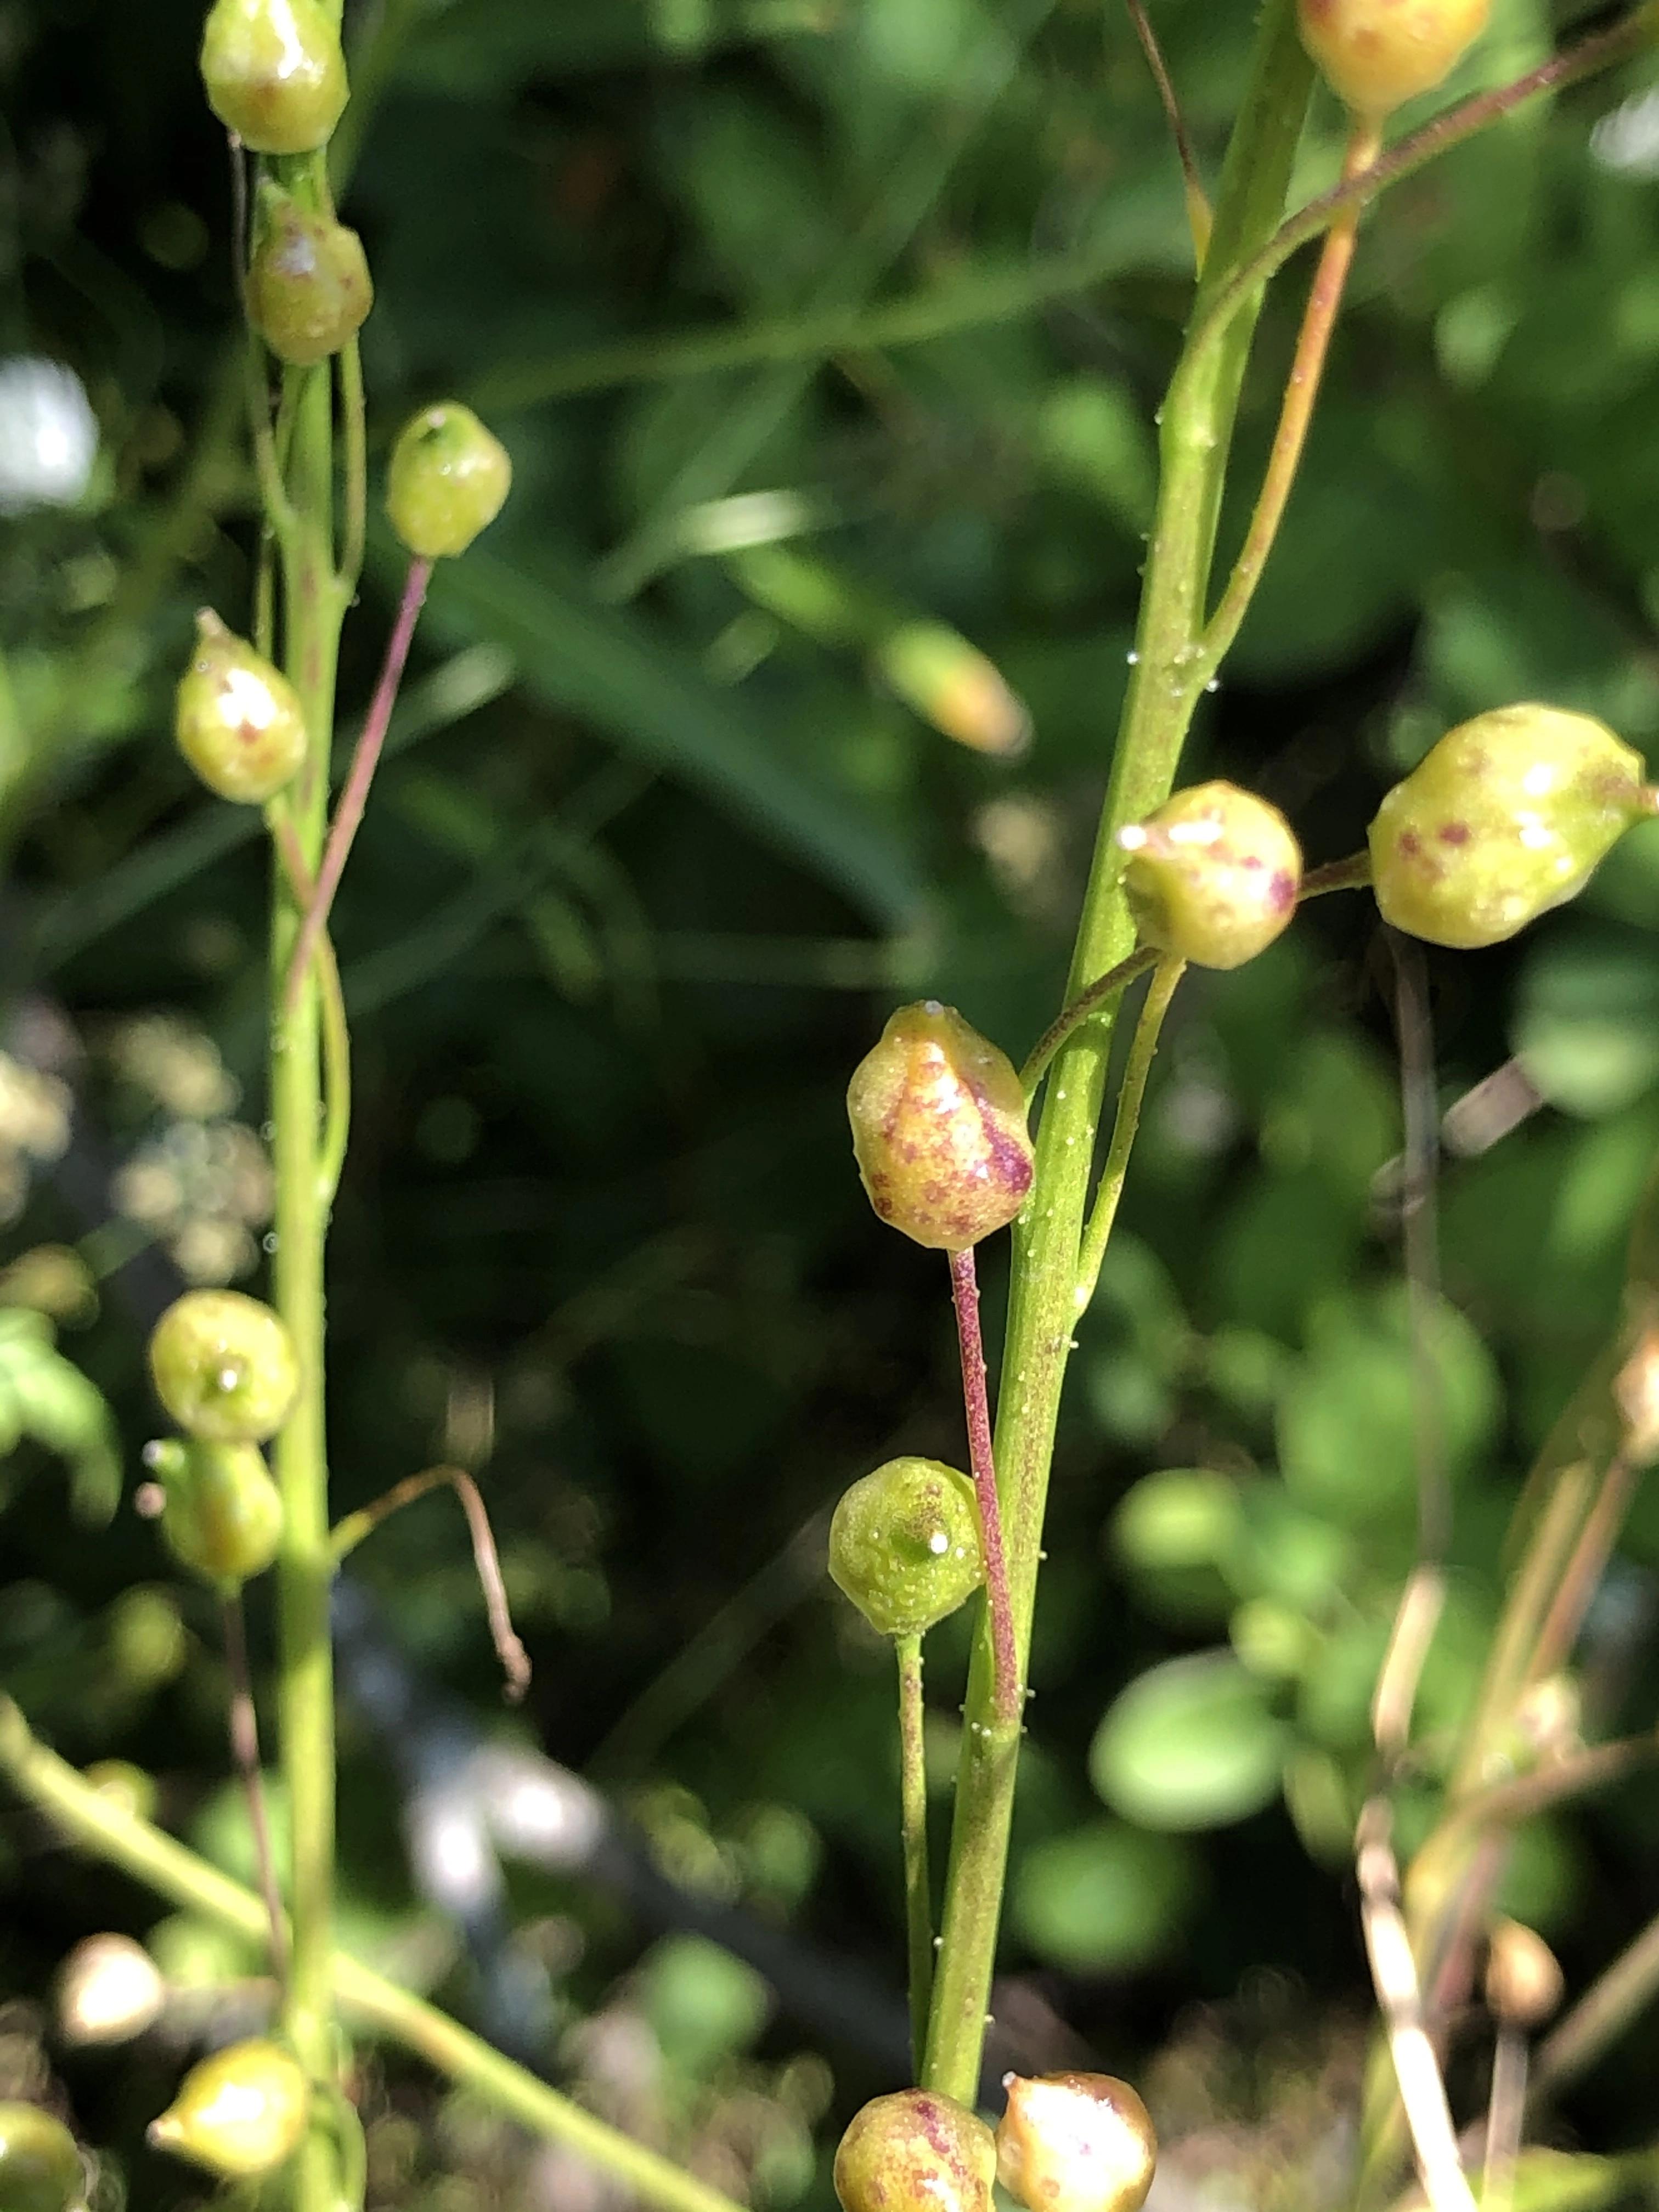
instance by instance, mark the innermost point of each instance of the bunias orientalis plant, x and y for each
(942, 1119)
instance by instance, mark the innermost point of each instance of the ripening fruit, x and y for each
(904, 1545)
(224, 1367)
(109, 1989)
(1213, 877)
(41, 2168)
(938, 1129)
(240, 2112)
(308, 287)
(274, 73)
(1524, 1981)
(448, 480)
(223, 1514)
(1506, 818)
(1075, 2142)
(915, 2151)
(238, 721)
(1375, 54)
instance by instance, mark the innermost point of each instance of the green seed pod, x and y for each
(904, 1545)
(938, 1129)
(240, 2114)
(448, 480)
(224, 1367)
(1506, 818)
(915, 2151)
(40, 2167)
(274, 73)
(1213, 877)
(222, 1517)
(238, 721)
(308, 287)
(1375, 54)
(1075, 2142)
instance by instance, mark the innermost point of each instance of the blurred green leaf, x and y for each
(1192, 1744)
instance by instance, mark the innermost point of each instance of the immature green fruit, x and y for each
(308, 286)
(238, 722)
(1375, 54)
(274, 73)
(224, 1367)
(239, 2113)
(938, 1129)
(41, 2168)
(1213, 876)
(223, 1514)
(915, 2151)
(1075, 2142)
(447, 481)
(904, 1545)
(1506, 818)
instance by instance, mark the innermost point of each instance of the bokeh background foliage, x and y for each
(808, 322)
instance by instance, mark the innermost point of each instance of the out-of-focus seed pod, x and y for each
(1075, 2142)
(121, 1783)
(951, 684)
(222, 1515)
(238, 721)
(224, 1367)
(308, 286)
(915, 2151)
(1374, 54)
(40, 2167)
(938, 1129)
(1213, 876)
(109, 1989)
(1524, 1981)
(1635, 1393)
(904, 1545)
(447, 481)
(274, 73)
(1506, 818)
(240, 2114)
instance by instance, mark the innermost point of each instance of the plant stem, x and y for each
(349, 812)
(1102, 993)
(1196, 432)
(1006, 1699)
(913, 1828)
(244, 1751)
(1143, 1049)
(86, 1814)
(354, 423)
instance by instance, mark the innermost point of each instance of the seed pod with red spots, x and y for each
(308, 287)
(1213, 877)
(1075, 2142)
(915, 2151)
(1375, 54)
(1507, 817)
(238, 721)
(938, 1129)
(274, 73)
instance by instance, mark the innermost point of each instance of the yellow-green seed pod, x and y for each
(222, 1517)
(904, 1545)
(938, 1129)
(1524, 1983)
(1374, 54)
(951, 684)
(40, 2167)
(308, 287)
(915, 2151)
(238, 722)
(274, 73)
(240, 2114)
(1213, 876)
(224, 1367)
(447, 481)
(109, 1989)
(1075, 2142)
(1506, 818)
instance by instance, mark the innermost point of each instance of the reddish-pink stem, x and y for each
(964, 1291)
(353, 799)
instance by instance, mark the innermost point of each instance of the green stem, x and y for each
(245, 1752)
(913, 1828)
(85, 1815)
(1142, 1051)
(1197, 429)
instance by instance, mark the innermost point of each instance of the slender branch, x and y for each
(1607, 2009)
(913, 1828)
(1584, 1569)
(1143, 1049)
(1198, 205)
(89, 1818)
(1353, 874)
(355, 445)
(1101, 995)
(354, 797)
(350, 1532)
(964, 1294)
(1506, 2109)
(336, 1032)
(245, 1750)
